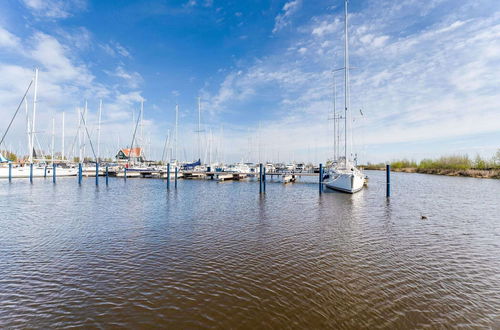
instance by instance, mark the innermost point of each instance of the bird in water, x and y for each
(423, 217)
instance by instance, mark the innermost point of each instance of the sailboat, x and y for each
(343, 175)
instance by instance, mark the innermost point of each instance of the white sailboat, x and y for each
(343, 175)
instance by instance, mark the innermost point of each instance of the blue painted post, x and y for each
(107, 175)
(125, 174)
(260, 178)
(388, 180)
(96, 174)
(168, 176)
(264, 179)
(320, 178)
(45, 171)
(31, 173)
(10, 172)
(175, 177)
(79, 173)
(54, 173)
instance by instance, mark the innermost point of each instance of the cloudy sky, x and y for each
(426, 75)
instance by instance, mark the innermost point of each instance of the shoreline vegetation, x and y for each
(458, 165)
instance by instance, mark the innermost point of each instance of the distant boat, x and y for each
(343, 175)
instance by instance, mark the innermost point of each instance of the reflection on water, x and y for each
(134, 254)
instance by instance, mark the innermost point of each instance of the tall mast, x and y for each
(28, 132)
(34, 115)
(52, 144)
(210, 147)
(142, 127)
(99, 131)
(334, 119)
(83, 131)
(199, 128)
(346, 80)
(176, 130)
(62, 139)
(79, 133)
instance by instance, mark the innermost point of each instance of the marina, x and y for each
(282, 164)
(134, 253)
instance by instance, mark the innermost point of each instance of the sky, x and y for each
(425, 77)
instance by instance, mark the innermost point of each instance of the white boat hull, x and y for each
(38, 172)
(346, 182)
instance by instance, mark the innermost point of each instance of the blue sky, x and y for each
(427, 74)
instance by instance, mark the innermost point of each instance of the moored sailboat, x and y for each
(343, 175)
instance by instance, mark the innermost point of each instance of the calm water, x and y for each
(217, 254)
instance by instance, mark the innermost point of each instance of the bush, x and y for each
(405, 163)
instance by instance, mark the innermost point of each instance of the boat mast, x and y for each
(34, 114)
(176, 130)
(141, 144)
(335, 140)
(346, 80)
(78, 110)
(99, 131)
(52, 144)
(62, 139)
(199, 128)
(28, 132)
(83, 132)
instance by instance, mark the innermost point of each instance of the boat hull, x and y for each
(38, 172)
(346, 182)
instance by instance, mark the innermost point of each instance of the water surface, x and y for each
(218, 254)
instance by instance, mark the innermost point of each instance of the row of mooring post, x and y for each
(262, 176)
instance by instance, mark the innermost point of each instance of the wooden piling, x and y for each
(175, 178)
(10, 172)
(54, 173)
(107, 175)
(31, 173)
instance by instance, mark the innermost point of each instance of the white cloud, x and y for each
(132, 79)
(326, 27)
(7, 39)
(65, 82)
(114, 49)
(283, 18)
(435, 83)
(54, 8)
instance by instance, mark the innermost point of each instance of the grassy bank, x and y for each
(460, 165)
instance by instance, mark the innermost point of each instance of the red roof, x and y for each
(136, 152)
